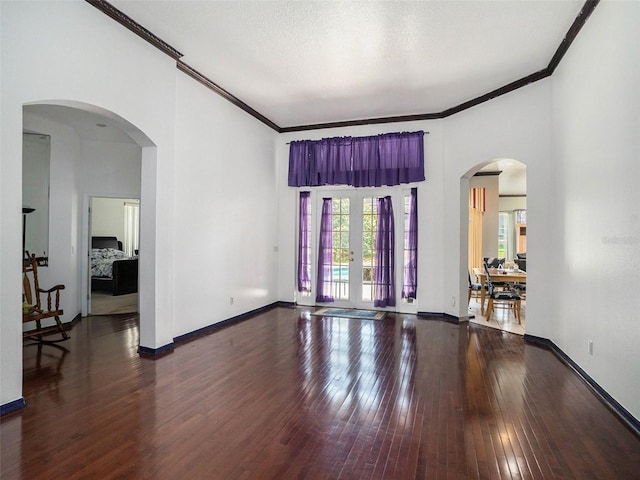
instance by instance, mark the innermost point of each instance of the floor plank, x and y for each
(289, 395)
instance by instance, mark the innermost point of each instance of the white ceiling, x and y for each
(88, 125)
(513, 176)
(307, 62)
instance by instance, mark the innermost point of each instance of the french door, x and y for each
(354, 225)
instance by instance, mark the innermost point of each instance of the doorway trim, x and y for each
(85, 244)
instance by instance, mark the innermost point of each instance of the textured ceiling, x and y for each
(307, 62)
(311, 62)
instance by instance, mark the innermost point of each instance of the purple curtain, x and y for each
(388, 159)
(304, 250)
(410, 282)
(383, 273)
(325, 254)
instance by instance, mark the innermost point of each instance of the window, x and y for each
(131, 228)
(341, 250)
(410, 249)
(304, 245)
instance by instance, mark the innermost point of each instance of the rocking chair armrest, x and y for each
(52, 289)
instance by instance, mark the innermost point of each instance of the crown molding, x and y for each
(135, 27)
(572, 33)
(199, 77)
(586, 11)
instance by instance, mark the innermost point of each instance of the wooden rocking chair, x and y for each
(33, 309)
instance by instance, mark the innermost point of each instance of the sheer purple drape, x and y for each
(383, 273)
(388, 159)
(304, 244)
(410, 282)
(325, 254)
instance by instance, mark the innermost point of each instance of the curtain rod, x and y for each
(425, 133)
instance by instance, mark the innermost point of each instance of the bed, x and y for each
(111, 269)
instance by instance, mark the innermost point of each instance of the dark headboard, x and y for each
(106, 242)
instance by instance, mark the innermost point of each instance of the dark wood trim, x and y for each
(578, 23)
(128, 22)
(364, 121)
(132, 25)
(426, 116)
(452, 319)
(187, 337)
(508, 88)
(442, 317)
(632, 423)
(493, 173)
(155, 353)
(515, 195)
(199, 77)
(73, 322)
(156, 41)
(283, 304)
(12, 406)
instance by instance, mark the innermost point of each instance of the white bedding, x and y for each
(102, 261)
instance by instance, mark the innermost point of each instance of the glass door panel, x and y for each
(354, 225)
(341, 216)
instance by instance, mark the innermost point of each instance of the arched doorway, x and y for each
(72, 126)
(496, 220)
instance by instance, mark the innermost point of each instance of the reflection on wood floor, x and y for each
(287, 395)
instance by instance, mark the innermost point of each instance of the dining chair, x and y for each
(475, 290)
(495, 262)
(503, 298)
(521, 289)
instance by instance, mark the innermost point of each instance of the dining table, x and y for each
(507, 276)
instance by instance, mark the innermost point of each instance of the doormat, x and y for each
(350, 313)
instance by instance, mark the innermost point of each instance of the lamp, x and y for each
(25, 210)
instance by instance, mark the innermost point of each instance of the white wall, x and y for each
(109, 172)
(596, 226)
(223, 164)
(490, 216)
(63, 199)
(508, 204)
(110, 169)
(107, 217)
(71, 37)
(226, 210)
(513, 126)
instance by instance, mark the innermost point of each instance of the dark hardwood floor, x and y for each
(286, 395)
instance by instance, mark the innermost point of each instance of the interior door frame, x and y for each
(87, 220)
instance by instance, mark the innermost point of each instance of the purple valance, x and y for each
(387, 159)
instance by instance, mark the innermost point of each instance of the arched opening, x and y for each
(495, 217)
(84, 139)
